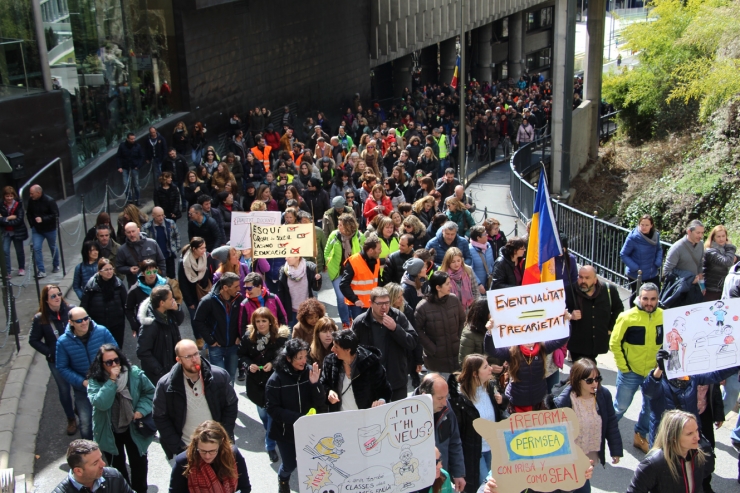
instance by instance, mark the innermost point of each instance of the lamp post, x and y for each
(462, 151)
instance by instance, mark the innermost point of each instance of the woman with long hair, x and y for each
(292, 390)
(426, 186)
(211, 463)
(440, 317)
(197, 142)
(343, 242)
(642, 252)
(265, 195)
(719, 256)
(377, 203)
(464, 283)
(87, 268)
(474, 394)
(474, 332)
(482, 253)
(424, 209)
(195, 274)
(310, 311)
(413, 225)
(507, 269)
(210, 160)
(104, 300)
(121, 395)
(414, 148)
(130, 214)
(47, 326)
(389, 241)
(220, 177)
(193, 187)
(259, 347)
(180, 138)
(298, 280)
(14, 228)
(167, 196)
(457, 213)
(305, 173)
(103, 218)
(675, 463)
(592, 403)
(428, 163)
(234, 264)
(323, 340)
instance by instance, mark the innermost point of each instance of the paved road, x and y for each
(490, 191)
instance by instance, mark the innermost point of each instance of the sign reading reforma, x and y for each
(282, 241)
(241, 226)
(389, 449)
(536, 450)
(700, 338)
(528, 314)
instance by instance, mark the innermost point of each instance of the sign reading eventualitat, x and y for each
(282, 241)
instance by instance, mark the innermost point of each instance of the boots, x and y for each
(71, 426)
(283, 485)
(641, 443)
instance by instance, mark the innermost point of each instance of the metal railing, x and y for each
(592, 240)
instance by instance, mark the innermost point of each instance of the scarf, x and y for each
(580, 295)
(346, 247)
(107, 287)
(461, 286)
(480, 246)
(194, 268)
(651, 237)
(148, 289)
(263, 341)
(295, 274)
(11, 211)
(125, 414)
(203, 479)
(411, 281)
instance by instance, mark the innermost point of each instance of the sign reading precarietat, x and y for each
(282, 241)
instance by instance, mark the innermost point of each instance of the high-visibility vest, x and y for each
(442, 143)
(388, 248)
(263, 156)
(364, 280)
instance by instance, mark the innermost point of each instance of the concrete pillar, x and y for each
(594, 69)
(483, 71)
(447, 59)
(429, 65)
(516, 45)
(402, 74)
(562, 95)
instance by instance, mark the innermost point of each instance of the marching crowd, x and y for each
(410, 267)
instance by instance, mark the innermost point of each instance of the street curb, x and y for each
(11, 398)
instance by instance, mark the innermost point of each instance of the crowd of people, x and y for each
(410, 267)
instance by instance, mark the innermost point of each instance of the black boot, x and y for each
(283, 485)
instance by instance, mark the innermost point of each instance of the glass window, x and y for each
(20, 66)
(531, 21)
(503, 71)
(539, 59)
(546, 17)
(505, 27)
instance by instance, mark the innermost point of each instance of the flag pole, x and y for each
(462, 132)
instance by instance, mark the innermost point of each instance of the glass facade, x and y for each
(115, 61)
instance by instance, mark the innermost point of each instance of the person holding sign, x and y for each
(344, 242)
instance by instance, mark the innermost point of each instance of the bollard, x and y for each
(84, 215)
(485, 213)
(61, 249)
(35, 273)
(107, 198)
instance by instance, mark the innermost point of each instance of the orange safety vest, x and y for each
(364, 280)
(263, 156)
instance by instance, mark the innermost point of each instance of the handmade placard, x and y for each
(241, 226)
(282, 241)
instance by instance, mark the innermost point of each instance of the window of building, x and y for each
(546, 17)
(540, 59)
(501, 28)
(532, 21)
(20, 65)
(503, 71)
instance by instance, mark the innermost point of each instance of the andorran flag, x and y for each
(544, 240)
(456, 74)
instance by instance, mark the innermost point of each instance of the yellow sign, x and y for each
(282, 241)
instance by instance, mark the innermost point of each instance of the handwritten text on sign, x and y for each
(536, 448)
(282, 241)
(528, 314)
(241, 226)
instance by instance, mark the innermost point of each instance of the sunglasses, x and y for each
(54, 296)
(350, 197)
(596, 379)
(111, 362)
(149, 272)
(80, 320)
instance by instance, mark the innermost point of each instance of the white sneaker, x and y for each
(21, 272)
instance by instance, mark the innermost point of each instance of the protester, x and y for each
(393, 270)
(683, 269)
(121, 395)
(642, 251)
(482, 254)
(48, 325)
(134, 250)
(159, 318)
(195, 274)
(508, 270)
(474, 331)
(149, 278)
(211, 463)
(13, 228)
(43, 215)
(323, 340)
(87, 470)
(85, 269)
(457, 213)
(167, 196)
(104, 299)
(298, 281)
(463, 282)
(446, 237)
(308, 314)
(230, 259)
(131, 214)
(259, 296)
(204, 227)
(719, 256)
(377, 203)
(496, 238)
(361, 274)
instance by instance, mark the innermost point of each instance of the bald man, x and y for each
(167, 235)
(42, 217)
(193, 391)
(135, 249)
(595, 306)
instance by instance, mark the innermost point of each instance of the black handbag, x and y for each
(145, 426)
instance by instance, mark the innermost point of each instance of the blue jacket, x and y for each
(571, 276)
(638, 254)
(440, 248)
(659, 392)
(74, 357)
(478, 268)
(83, 273)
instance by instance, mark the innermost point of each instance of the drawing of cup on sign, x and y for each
(369, 438)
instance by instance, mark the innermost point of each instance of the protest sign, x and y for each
(528, 314)
(387, 449)
(282, 241)
(535, 450)
(241, 226)
(700, 338)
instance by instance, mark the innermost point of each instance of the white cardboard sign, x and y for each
(241, 226)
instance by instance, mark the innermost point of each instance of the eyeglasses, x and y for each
(111, 362)
(248, 287)
(106, 269)
(350, 197)
(382, 303)
(408, 226)
(439, 461)
(80, 320)
(190, 356)
(54, 296)
(596, 379)
(371, 147)
(150, 272)
(208, 452)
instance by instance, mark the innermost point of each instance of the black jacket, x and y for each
(189, 293)
(257, 168)
(179, 483)
(156, 151)
(284, 291)
(253, 353)
(170, 404)
(191, 196)
(110, 313)
(369, 382)
(503, 273)
(289, 395)
(654, 476)
(208, 231)
(169, 200)
(393, 271)
(114, 483)
(590, 335)
(155, 346)
(217, 320)
(130, 157)
(45, 208)
(397, 342)
(20, 232)
(472, 442)
(43, 337)
(317, 203)
(178, 166)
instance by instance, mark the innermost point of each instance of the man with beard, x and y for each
(595, 306)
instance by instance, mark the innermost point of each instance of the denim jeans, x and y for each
(196, 334)
(355, 311)
(19, 252)
(226, 358)
(132, 190)
(196, 156)
(156, 170)
(627, 385)
(485, 467)
(266, 422)
(183, 202)
(84, 411)
(38, 243)
(730, 390)
(288, 459)
(342, 307)
(65, 391)
(443, 165)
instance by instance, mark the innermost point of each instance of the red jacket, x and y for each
(370, 204)
(272, 139)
